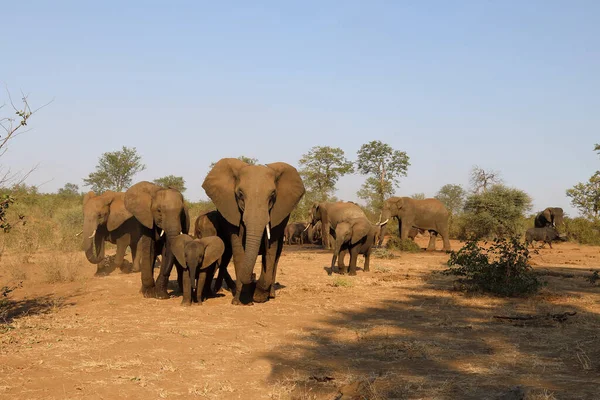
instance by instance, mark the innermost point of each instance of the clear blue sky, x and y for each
(508, 85)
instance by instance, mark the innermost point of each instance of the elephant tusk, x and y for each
(162, 232)
(79, 234)
(92, 235)
(384, 222)
(305, 229)
(268, 232)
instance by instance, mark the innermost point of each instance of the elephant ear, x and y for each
(219, 185)
(548, 215)
(138, 201)
(178, 247)
(88, 196)
(213, 250)
(118, 213)
(360, 229)
(290, 190)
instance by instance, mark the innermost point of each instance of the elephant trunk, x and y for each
(93, 243)
(255, 229)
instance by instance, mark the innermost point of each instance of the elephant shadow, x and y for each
(330, 270)
(245, 297)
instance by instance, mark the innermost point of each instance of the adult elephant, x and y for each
(105, 219)
(163, 215)
(256, 201)
(330, 214)
(426, 214)
(551, 216)
(295, 233)
(314, 233)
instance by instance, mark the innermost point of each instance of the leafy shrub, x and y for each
(395, 243)
(583, 230)
(501, 269)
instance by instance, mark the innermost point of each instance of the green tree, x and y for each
(497, 212)
(418, 196)
(247, 160)
(384, 166)
(585, 196)
(115, 170)
(70, 189)
(453, 197)
(172, 181)
(321, 168)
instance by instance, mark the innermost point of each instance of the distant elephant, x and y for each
(356, 236)
(212, 223)
(164, 216)
(105, 219)
(197, 258)
(331, 214)
(314, 233)
(296, 232)
(426, 214)
(551, 216)
(256, 201)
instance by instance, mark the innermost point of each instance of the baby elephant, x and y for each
(547, 234)
(356, 236)
(197, 258)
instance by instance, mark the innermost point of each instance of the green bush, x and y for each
(502, 269)
(395, 243)
(583, 230)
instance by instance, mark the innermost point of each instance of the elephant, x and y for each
(296, 232)
(256, 201)
(212, 223)
(331, 214)
(425, 214)
(314, 233)
(356, 236)
(163, 215)
(105, 219)
(198, 259)
(551, 216)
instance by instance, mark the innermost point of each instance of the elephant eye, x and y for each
(240, 194)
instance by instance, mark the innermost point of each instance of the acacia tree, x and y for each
(453, 197)
(321, 168)
(481, 180)
(115, 170)
(172, 181)
(585, 196)
(384, 166)
(69, 190)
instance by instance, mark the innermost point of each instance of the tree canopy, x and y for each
(453, 197)
(321, 168)
(172, 181)
(383, 166)
(585, 196)
(115, 170)
(70, 189)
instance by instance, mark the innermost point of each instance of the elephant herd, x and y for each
(253, 206)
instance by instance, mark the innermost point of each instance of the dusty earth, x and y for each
(400, 331)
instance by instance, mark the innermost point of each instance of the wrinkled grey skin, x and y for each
(197, 258)
(427, 214)
(551, 216)
(296, 232)
(256, 201)
(547, 234)
(212, 223)
(105, 219)
(163, 215)
(330, 214)
(356, 236)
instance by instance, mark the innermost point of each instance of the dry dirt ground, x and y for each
(400, 331)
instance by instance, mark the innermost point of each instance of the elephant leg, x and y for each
(274, 281)
(187, 288)
(263, 286)
(404, 228)
(238, 261)
(367, 261)
(432, 237)
(444, 233)
(165, 271)
(200, 284)
(122, 243)
(134, 258)
(342, 269)
(224, 274)
(353, 260)
(145, 248)
(180, 275)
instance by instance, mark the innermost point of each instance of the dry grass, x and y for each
(58, 268)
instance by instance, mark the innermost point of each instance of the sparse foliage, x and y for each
(453, 197)
(384, 166)
(321, 168)
(172, 181)
(70, 189)
(115, 170)
(501, 269)
(497, 212)
(481, 179)
(247, 160)
(586, 197)
(418, 196)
